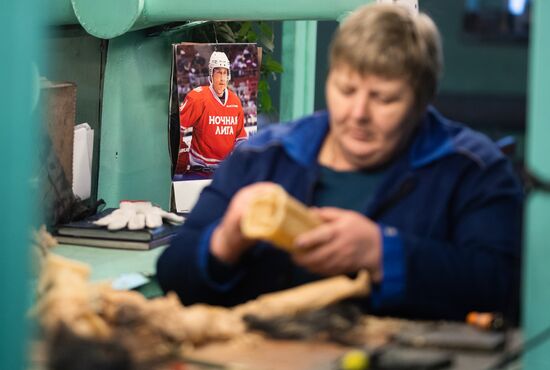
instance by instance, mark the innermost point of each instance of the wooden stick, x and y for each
(306, 297)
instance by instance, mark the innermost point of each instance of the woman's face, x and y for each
(370, 118)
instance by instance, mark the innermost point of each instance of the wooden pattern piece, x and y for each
(274, 216)
(307, 297)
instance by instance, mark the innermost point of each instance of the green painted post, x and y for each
(61, 12)
(536, 299)
(17, 127)
(134, 161)
(298, 79)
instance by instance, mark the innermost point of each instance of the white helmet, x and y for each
(218, 59)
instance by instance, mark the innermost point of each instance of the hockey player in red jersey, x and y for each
(216, 115)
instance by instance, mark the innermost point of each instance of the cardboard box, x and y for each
(58, 102)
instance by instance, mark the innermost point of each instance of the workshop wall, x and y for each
(476, 66)
(484, 82)
(471, 66)
(76, 56)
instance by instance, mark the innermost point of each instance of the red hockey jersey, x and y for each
(217, 125)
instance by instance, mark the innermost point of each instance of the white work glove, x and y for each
(137, 215)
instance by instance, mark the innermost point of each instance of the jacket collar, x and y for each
(302, 139)
(307, 136)
(433, 141)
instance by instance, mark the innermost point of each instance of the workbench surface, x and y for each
(258, 353)
(109, 263)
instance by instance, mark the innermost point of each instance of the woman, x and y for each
(428, 206)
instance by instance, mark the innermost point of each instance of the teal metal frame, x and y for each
(134, 161)
(107, 19)
(298, 79)
(18, 139)
(536, 301)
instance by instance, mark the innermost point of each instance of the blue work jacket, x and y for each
(448, 207)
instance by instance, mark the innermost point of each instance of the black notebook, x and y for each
(114, 243)
(87, 229)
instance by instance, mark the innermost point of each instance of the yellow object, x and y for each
(273, 215)
(354, 360)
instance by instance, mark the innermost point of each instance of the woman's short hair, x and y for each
(392, 42)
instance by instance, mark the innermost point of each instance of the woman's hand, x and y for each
(346, 242)
(228, 243)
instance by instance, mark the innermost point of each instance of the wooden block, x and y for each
(273, 215)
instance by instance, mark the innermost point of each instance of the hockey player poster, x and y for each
(212, 110)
